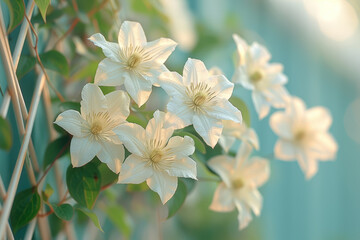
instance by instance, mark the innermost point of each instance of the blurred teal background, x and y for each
(322, 64)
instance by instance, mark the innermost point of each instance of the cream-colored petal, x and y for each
(262, 106)
(223, 165)
(93, 100)
(163, 184)
(83, 150)
(221, 86)
(241, 76)
(172, 83)
(180, 146)
(118, 103)
(133, 137)
(244, 216)
(251, 137)
(226, 142)
(257, 171)
(72, 122)
(208, 128)
(134, 170)
(222, 200)
(168, 120)
(224, 110)
(131, 35)
(307, 163)
(109, 73)
(195, 72)
(110, 49)
(285, 150)
(277, 96)
(259, 53)
(177, 107)
(184, 167)
(242, 47)
(113, 155)
(242, 155)
(296, 108)
(159, 50)
(252, 198)
(319, 118)
(155, 128)
(138, 88)
(281, 124)
(323, 146)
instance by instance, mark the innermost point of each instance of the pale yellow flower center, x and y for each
(100, 125)
(159, 157)
(200, 95)
(237, 183)
(300, 135)
(256, 76)
(156, 155)
(96, 128)
(133, 61)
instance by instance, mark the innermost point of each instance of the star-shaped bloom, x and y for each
(240, 179)
(254, 73)
(233, 130)
(303, 135)
(92, 129)
(132, 61)
(157, 158)
(201, 99)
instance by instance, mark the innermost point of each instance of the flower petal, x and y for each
(208, 128)
(93, 100)
(252, 198)
(159, 50)
(222, 87)
(224, 110)
(276, 95)
(138, 88)
(222, 200)
(285, 150)
(323, 146)
(195, 72)
(72, 122)
(226, 142)
(281, 124)
(251, 137)
(319, 118)
(118, 103)
(177, 107)
(164, 184)
(257, 171)
(262, 106)
(131, 35)
(241, 47)
(113, 155)
(296, 108)
(307, 163)
(223, 166)
(82, 151)
(244, 216)
(110, 49)
(134, 170)
(109, 73)
(259, 53)
(172, 83)
(133, 137)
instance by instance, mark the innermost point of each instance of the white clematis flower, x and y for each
(132, 61)
(92, 129)
(303, 135)
(200, 99)
(157, 157)
(233, 130)
(265, 80)
(241, 178)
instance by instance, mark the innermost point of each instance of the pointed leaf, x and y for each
(117, 216)
(43, 5)
(26, 64)
(17, 10)
(107, 176)
(25, 207)
(91, 215)
(84, 184)
(64, 211)
(46, 194)
(5, 134)
(178, 199)
(56, 149)
(241, 105)
(55, 61)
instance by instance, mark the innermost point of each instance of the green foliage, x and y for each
(107, 176)
(43, 5)
(46, 194)
(55, 61)
(64, 211)
(25, 207)
(84, 184)
(178, 199)
(88, 70)
(91, 215)
(199, 145)
(241, 105)
(26, 64)
(117, 216)
(17, 10)
(56, 149)
(137, 187)
(136, 119)
(5, 134)
(70, 105)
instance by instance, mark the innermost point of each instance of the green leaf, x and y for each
(70, 105)
(25, 207)
(5, 134)
(107, 176)
(46, 194)
(64, 211)
(178, 199)
(56, 149)
(241, 105)
(135, 119)
(117, 216)
(137, 187)
(91, 215)
(189, 183)
(87, 71)
(84, 184)
(26, 64)
(199, 145)
(55, 61)
(17, 10)
(43, 5)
